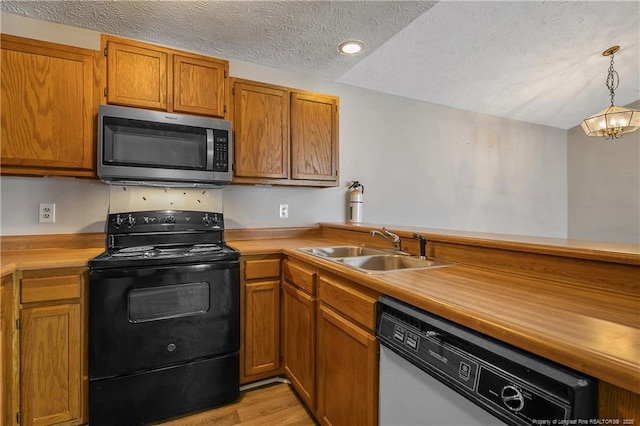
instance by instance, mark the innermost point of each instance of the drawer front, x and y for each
(342, 296)
(261, 268)
(301, 276)
(45, 289)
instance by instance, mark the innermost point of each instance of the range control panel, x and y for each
(167, 220)
(516, 386)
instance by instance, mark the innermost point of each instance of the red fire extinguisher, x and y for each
(356, 202)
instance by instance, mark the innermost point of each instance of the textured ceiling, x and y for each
(536, 61)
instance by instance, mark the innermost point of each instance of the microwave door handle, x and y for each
(210, 149)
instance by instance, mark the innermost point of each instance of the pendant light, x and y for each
(612, 122)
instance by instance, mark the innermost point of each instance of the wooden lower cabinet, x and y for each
(260, 316)
(617, 403)
(329, 345)
(50, 359)
(7, 342)
(299, 330)
(53, 362)
(347, 371)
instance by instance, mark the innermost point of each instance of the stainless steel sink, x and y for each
(343, 251)
(373, 260)
(392, 262)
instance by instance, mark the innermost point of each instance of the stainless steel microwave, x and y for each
(145, 147)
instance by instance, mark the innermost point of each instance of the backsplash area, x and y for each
(82, 205)
(143, 198)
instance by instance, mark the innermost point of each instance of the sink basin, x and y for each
(343, 251)
(373, 260)
(392, 262)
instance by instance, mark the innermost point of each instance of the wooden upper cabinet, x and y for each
(261, 126)
(136, 75)
(154, 77)
(198, 85)
(284, 136)
(48, 108)
(314, 136)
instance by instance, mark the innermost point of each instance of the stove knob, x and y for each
(206, 219)
(170, 219)
(512, 398)
(130, 221)
(117, 222)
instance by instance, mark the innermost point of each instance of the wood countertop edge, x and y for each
(21, 260)
(7, 269)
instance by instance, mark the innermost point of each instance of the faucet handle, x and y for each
(423, 245)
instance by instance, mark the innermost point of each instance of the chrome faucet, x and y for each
(389, 236)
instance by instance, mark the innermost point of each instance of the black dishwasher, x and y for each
(433, 371)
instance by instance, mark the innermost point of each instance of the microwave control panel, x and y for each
(220, 151)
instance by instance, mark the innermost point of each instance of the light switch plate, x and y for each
(284, 211)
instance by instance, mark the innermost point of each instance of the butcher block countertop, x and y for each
(590, 329)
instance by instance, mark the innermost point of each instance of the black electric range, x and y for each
(147, 238)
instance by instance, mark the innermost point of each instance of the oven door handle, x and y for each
(210, 149)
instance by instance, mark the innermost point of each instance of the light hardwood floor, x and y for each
(275, 404)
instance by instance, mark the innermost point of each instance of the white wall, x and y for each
(604, 187)
(422, 164)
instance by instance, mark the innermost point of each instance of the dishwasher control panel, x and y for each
(518, 387)
(455, 364)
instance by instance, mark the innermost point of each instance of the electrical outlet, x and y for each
(284, 211)
(47, 213)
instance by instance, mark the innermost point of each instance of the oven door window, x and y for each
(139, 143)
(173, 301)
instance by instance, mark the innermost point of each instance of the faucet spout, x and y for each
(389, 236)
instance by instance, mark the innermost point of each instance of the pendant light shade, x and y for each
(614, 121)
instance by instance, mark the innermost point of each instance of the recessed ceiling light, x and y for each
(351, 47)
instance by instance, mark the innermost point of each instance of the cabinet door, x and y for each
(49, 102)
(50, 359)
(136, 75)
(299, 341)
(199, 85)
(262, 327)
(314, 137)
(347, 372)
(261, 131)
